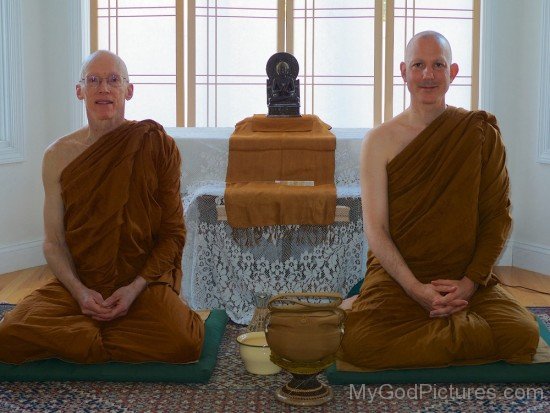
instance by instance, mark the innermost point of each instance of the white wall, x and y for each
(510, 90)
(45, 43)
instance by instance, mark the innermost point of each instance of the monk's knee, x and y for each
(187, 343)
(361, 344)
(186, 349)
(4, 341)
(518, 343)
(12, 348)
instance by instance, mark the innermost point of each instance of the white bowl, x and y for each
(255, 353)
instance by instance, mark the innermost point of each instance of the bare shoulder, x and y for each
(61, 144)
(392, 136)
(379, 142)
(63, 151)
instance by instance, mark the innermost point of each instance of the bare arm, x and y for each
(375, 153)
(374, 200)
(56, 251)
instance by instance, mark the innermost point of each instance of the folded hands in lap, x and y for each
(117, 305)
(448, 296)
(91, 303)
(440, 298)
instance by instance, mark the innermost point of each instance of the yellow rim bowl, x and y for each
(255, 353)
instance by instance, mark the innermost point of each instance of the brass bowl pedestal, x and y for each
(304, 390)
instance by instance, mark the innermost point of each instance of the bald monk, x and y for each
(114, 235)
(436, 214)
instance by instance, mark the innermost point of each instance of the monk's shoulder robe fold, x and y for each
(448, 198)
(123, 212)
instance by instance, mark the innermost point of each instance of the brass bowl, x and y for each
(255, 353)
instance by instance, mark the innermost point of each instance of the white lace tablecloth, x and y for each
(204, 155)
(223, 267)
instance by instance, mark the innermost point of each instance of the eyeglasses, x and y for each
(95, 81)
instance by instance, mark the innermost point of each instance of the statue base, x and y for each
(283, 111)
(304, 390)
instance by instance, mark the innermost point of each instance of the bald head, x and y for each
(427, 70)
(443, 42)
(104, 53)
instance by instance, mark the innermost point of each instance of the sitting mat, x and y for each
(498, 372)
(356, 288)
(59, 370)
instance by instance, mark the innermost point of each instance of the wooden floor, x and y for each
(17, 285)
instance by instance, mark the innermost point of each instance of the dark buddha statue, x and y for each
(283, 89)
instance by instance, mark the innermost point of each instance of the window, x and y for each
(11, 85)
(335, 43)
(233, 40)
(202, 62)
(544, 122)
(144, 34)
(458, 21)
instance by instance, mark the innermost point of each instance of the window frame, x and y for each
(12, 125)
(389, 61)
(383, 60)
(543, 155)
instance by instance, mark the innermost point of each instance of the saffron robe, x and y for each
(123, 218)
(449, 217)
(264, 150)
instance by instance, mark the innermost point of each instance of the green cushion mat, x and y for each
(58, 370)
(355, 289)
(498, 372)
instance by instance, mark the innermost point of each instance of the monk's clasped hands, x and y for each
(117, 305)
(442, 297)
(91, 303)
(454, 296)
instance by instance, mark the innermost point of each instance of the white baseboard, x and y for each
(505, 259)
(21, 255)
(532, 257)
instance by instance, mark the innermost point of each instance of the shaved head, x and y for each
(104, 97)
(443, 42)
(100, 53)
